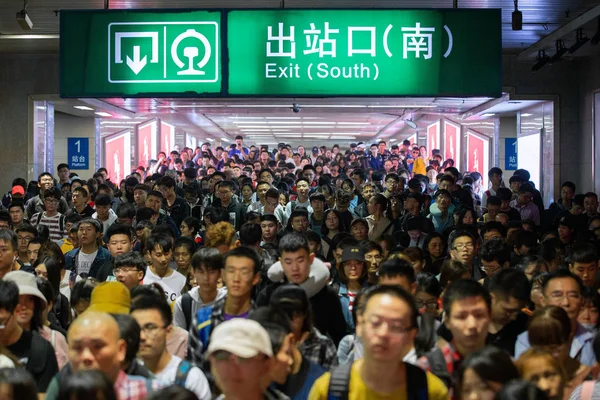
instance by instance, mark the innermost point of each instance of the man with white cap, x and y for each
(241, 359)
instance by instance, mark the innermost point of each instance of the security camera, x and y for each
(296, 108)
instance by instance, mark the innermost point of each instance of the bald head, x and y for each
(95, 344)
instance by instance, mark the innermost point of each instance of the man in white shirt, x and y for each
(160, 248)
(155, 320)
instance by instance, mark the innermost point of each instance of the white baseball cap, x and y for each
(243, 337)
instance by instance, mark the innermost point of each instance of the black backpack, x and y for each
(186, 307)
(339, 384)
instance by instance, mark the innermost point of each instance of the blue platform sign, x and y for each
(510, 154)
(78, 153)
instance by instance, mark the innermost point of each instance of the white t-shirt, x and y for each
(172, 284)
(65, 284)
(195, 381)
(84, 262)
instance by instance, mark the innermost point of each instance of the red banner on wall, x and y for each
(452, 143)
(146, 143)
(167, 137)
(117, 156)
(433, 137)
(477, 154)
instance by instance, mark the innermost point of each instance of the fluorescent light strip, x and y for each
(48, 36)
(226, 140)
(103, 114)
(84, 108)
(354, 123)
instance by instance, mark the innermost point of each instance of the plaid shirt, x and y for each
(134, 387)
(319, 349)
(453, 360)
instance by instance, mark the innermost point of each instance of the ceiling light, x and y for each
(542, 59)
(354, 123)
(392, 140)
(85, 108)
(581, 40)
(488, 115)
(103, 114)
(210, 140)
(410, 123)
(23, 18)
(38, 36)
(560, 51)
(517, 18)
(526, 115)
(226, 140)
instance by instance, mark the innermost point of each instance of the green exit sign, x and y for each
(137, 53)
(282, 52)
(365, 52)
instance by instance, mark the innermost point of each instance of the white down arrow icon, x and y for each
(136, 64)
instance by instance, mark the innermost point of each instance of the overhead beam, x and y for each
(564, 30)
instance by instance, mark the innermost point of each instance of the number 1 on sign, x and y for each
(78, 144)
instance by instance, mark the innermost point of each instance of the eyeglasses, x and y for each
(462, 246)
(51, 201)
(429, 304)
(124, 270)
(151, 329)
(24, 239)
(392, 327)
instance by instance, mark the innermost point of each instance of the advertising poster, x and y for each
(117, 156)
(452, 143)
(433, 137)
(146, 143)
(477, 154)
(167, 137)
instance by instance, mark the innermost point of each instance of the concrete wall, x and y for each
(68, 126)
(21, 76)
(589, 82)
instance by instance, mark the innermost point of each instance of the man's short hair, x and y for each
(399, 293)
(559, 274)
(27, 228)
(250, 234)
(131, 259)
(79, 189)
(15, 203)
(54, 193)
(207, 257)
(584, 253)
(397, 267)
(494, 171)
(511, 283)
(166, 181)
(460, 233)
(119, 229)
(158, 303)
(61, 166)
(160, 240)
(465, 289)
(495, 250)
(276, 323)
(246, 252)
(493, 226)
(102, 200)
(9, 296)
(293, 242)
(494, 201)
(93, 222)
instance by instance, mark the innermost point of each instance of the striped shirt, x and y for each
(53, 224)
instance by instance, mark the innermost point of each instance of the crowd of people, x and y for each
(256, 273)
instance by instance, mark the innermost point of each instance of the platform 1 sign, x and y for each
(510, 154)
(280, 52)
(78, 153)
